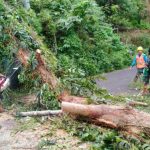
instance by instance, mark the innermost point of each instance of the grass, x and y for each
(145, 99)
(99, 138)
(136, 85)
(25, 124)
(58, 139)
(14, 100)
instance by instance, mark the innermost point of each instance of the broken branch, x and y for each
(40, 113)
(134, 103)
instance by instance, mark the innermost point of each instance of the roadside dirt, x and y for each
(34, 134)
(7, 124)
(21, 140)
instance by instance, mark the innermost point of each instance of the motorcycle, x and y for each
(11, 77)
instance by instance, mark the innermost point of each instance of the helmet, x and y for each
(38, 51)
(140, 48)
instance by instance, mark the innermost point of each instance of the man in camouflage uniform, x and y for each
(146, 75)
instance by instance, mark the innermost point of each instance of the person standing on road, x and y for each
(140, 61)
(146, 75)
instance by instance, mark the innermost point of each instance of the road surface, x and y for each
(117, 82)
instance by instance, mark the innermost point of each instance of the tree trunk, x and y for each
(48, 76)
(66, 97)
(55, 44)
(26, 4)
(117, 117)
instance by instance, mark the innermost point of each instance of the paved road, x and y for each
(117, 82)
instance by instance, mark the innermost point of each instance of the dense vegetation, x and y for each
(79, 35)
(75, 31)
(125, 13)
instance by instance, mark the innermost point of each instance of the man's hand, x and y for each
(130, 68)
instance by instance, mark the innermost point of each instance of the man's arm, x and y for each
(133, 62)
(146, 59)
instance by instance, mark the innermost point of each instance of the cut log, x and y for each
(40, 113)
(66, 97)
(117, 117)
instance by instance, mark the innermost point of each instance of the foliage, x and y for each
(77, 30)
(125, 13)
(100, 138)
(48, 98)
(16, 31)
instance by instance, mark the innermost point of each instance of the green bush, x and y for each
(48, 98)
(78, 29)
(124, 13)
(18, 29)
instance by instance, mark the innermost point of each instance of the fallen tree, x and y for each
(48, 76)
(66, 97)
(117, 117)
